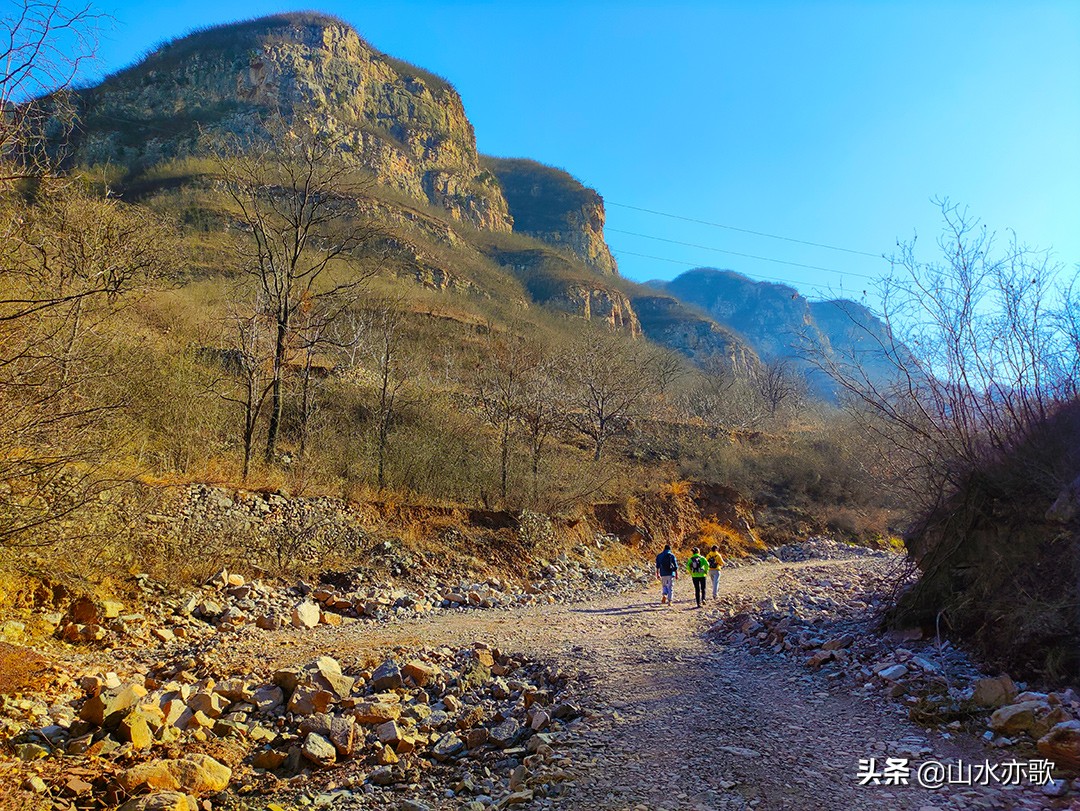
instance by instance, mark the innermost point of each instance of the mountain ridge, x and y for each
(538, 224)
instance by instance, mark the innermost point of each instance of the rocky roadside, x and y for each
(447, 723)
(473, 728)
(828, 621)
(229, 602)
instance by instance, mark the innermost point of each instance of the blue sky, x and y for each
(828, 122)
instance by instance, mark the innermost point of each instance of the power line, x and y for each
(744, 230)
(736, 253)
(752, 276)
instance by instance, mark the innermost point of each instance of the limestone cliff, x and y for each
(671, 323)
(561, 283)
(554, 207)
(596, 303)
(405, 125)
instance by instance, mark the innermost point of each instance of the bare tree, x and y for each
(499, 380)
(382, 323)
(542, 408)
(70, 262)
(608, 380)
(720, 397)
(984, 349)
(300, 204)
(43, 43)
(249, 362)
(779, 384)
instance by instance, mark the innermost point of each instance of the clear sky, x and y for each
(828, 122)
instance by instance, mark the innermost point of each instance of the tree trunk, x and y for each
(276, 393)
(505, 455)
(535, 471)
(305, 407)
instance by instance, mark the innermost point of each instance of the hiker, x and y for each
(667, 572)
(716, 560)
(698, 568)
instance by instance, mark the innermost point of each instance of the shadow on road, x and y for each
(621, 611)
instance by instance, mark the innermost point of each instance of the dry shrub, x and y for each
(862, 525)
(1000, 556)
(730, 541)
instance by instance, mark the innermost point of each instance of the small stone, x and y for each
(135, 728)
(419, 672)
(194, 774)
(389, 733)
(382, 776)
(30, 751)
(994, 692)
(893, 673)
(1016, 718)
(506, 733)
(161, 801)
(376, 712)
(210, 704)
(107, 709)
(1062, 745)
(447, 746)
(269, 759)
(36, 785)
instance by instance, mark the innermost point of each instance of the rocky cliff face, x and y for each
(670, 323)
(554, 207)
(595, 303)
(407, 126)
(557, 281)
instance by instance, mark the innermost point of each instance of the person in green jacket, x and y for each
(698, 567)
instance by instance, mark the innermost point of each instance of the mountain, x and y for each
(553, 206)
(780, 324)
(406, 125)
(509, 231)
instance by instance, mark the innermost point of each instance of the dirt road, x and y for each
(683, 722)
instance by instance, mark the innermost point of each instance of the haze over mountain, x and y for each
(511, 231)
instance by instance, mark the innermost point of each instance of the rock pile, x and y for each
(822, 548)
(481, 723)
(829, 620)
(229, 602)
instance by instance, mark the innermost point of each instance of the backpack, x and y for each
(667, 564)
(696, 563)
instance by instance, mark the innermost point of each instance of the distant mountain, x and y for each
(779, 323)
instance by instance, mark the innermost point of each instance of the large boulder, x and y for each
(194, 774)
(1035, 718)
(1062, 745)
(994, 692)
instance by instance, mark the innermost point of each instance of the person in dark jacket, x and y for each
(667, 572)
